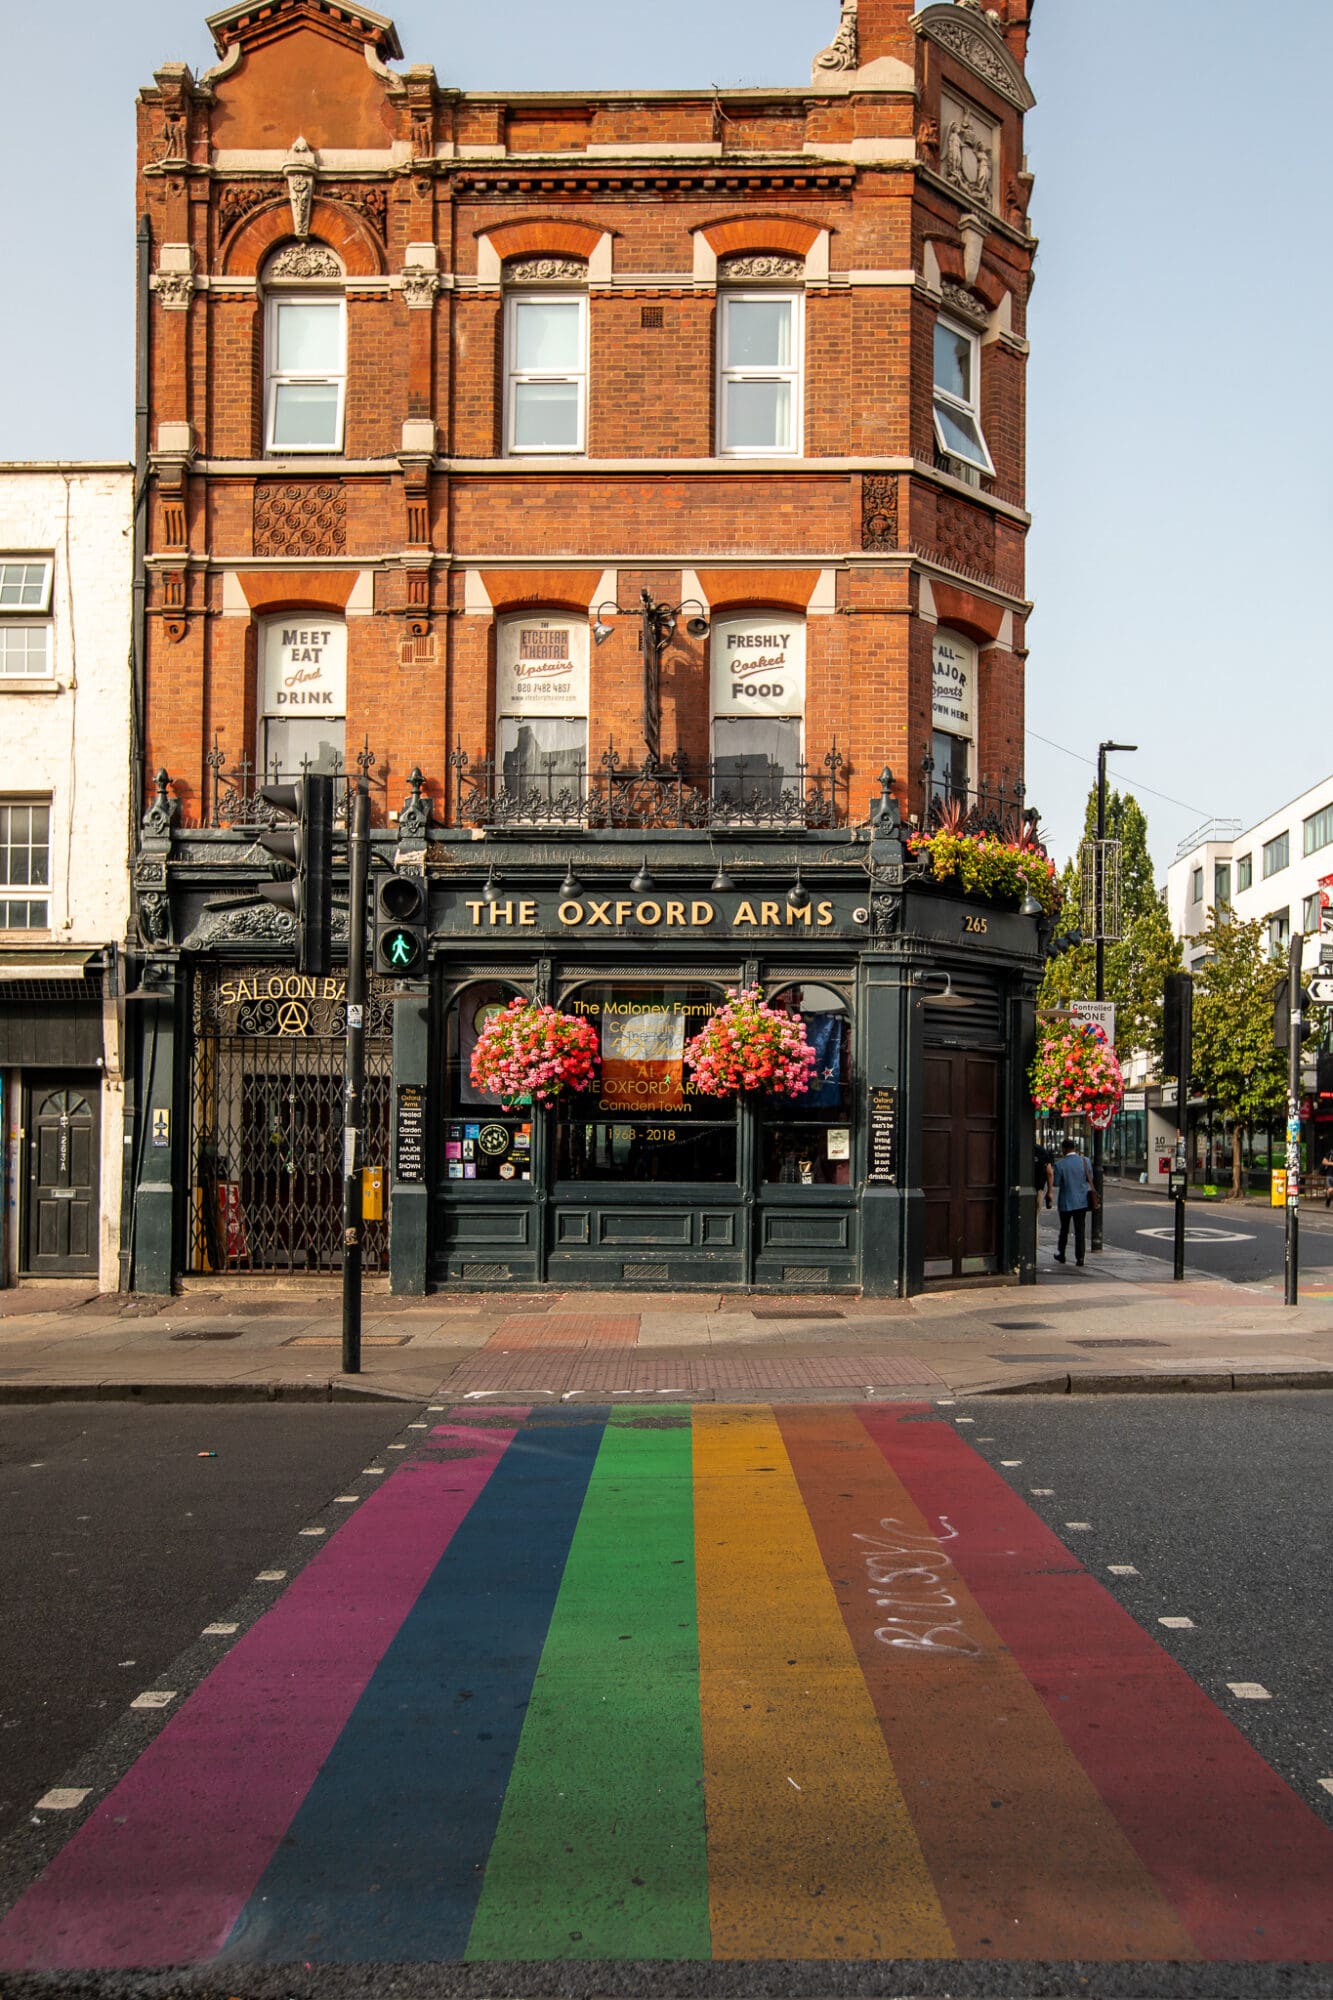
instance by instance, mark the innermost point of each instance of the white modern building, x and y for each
(65, 609)
(1271, 871)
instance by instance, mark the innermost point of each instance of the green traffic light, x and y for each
(400, 950)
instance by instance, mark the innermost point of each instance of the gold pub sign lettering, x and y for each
(521, 914)
(282, 986)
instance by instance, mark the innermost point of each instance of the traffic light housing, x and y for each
(306, 847)
(1178, 1026)
(1282, 1015)
(401, 910)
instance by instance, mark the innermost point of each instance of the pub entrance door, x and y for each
(960, 1163)
(61, 1153)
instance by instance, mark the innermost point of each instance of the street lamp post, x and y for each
(1098, 1142)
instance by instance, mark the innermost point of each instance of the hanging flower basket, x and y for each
(985, 865)
(1076, 1070)
(747, 1045)
(531, 1054)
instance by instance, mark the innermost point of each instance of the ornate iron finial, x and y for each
(414, 819)
(162, 814)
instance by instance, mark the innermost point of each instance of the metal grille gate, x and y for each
(266, 1119)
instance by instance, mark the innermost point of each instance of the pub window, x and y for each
(304, 690)
(807, 1141)
(25, 864)
(25, 618)
(541, 688)
(646, 1122)
(953, 708)
(958, 396)
(758, 676)
(484, 1139)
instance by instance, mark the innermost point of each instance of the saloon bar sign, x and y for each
(305, 666)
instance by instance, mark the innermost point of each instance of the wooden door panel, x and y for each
(960, 1162)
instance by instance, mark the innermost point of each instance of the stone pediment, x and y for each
(967, 33)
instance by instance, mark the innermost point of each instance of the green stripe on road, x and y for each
(600, 1851)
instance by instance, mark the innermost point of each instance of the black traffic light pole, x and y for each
(1099, 892)
(1178, 1060)
(1295, 1036)
(358, 866)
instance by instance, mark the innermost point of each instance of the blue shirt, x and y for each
(1071, 1182)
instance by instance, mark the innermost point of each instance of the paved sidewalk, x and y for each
(1120, 1324)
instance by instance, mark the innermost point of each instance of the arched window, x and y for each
(808, 1140)
(305, 350)
(758, 677)
(953, 716)
(541, 708)
(303, 687)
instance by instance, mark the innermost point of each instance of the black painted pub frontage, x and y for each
(907, 1163)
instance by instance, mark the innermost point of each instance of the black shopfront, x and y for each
(907, 1163)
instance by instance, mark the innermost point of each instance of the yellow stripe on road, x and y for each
(811, 1853)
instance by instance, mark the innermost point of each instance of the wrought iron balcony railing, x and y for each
(235, 793)
(674, 794)
(994, 807)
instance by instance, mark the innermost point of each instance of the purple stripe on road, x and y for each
(159, 1873)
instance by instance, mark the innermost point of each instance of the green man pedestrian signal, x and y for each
(307, 849)
(400, 926)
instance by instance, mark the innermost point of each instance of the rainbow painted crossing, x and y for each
(723, 1683)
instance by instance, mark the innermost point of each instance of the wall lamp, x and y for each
(943, 996)
(657, 626)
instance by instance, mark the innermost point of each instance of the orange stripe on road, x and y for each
(811, 1851)
(1013, 1831)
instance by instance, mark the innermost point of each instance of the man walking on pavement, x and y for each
(1073, 1186)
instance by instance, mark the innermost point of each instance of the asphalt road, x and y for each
(1241, 1241)
(663, 1702)
(120, 1543)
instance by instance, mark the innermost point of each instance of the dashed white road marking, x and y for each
(1081, 1526)
(372, 1471)
(1177, 1624)
(314, 1531)
(63, 1798)
(1011, 1461)
(219, 1630)
(418, 1427)
(346, 1499)
(1043, 1492)
(1122, 1569)
(1249, 1691)
(1327, 1784)
(397, 1447)
(964, 1420)
(271, 1576)
(435, 1408)
(946, 1402)
(154, 1698)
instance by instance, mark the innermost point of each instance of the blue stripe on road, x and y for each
(384, 1862)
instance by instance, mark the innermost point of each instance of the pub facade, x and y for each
(627, 487)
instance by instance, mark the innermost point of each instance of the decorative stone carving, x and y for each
(304, 260)
(161, 817)
(965, 536)
(299, 169)
(886, 916)
(965, 305)
(419, 288)
(746, 268)
(233, 922)
(174, 289)
(308, 518)
(154, 916)
(372, 203)
(970, 35)
(843, 52)
(967, 158)
(545, 270)
(414, 819)
(172, 142)
(236, 202)
(879, 510)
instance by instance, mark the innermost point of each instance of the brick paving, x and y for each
(693, 1372)
(565, 1330)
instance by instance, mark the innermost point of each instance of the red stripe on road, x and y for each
(160, 1872)
(1245, 1862)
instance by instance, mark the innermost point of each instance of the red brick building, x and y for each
(634, 483)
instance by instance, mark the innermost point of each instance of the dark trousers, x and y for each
(1079, 1218)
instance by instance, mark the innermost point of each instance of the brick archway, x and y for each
(341, 228)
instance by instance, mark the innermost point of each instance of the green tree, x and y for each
(1137, 966)
(1235, 1060)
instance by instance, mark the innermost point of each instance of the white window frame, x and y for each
(274, 378)
(1278, 926)
(34, 616)
(972, 409)
(794, 373)
(1280, 844)
(19, 892)
(524, 295)
(1317, 830)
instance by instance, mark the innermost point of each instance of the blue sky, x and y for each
(1178, 472)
